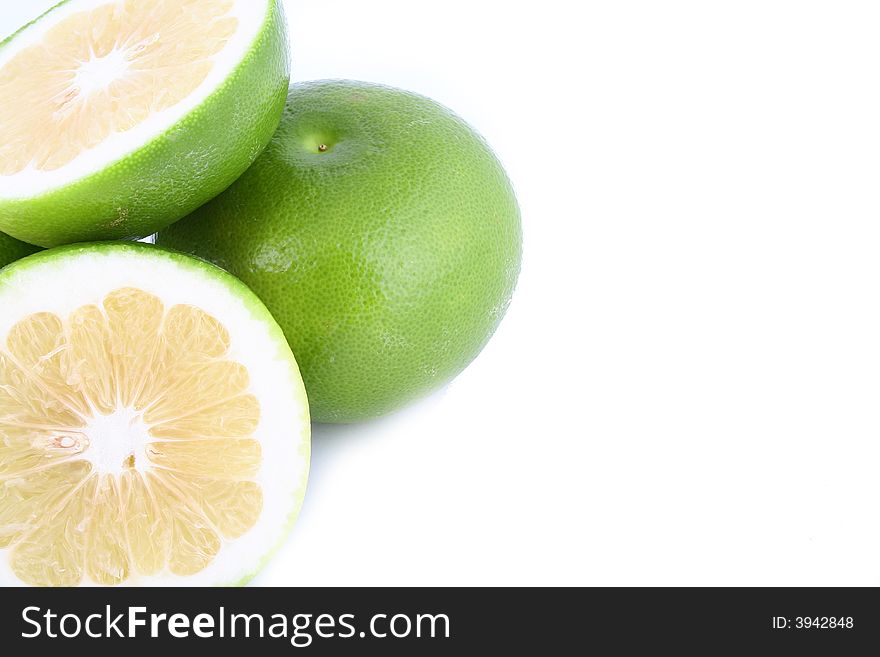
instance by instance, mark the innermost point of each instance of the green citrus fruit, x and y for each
(383, 235)
(154, 428)
(12, 250)
(120, 117)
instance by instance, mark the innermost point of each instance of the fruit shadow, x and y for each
(329, 440)
(329, 443)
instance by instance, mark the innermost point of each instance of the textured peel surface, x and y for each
(103, 71)
(388, 244)
(126, 442)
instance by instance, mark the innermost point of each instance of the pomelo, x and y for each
(154, 428)
(121, 116)
(11, 250)
(383, 235)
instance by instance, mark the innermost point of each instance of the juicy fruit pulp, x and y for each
(107, 470)
(383, 235)
(127, 114)
(137, 440)
(103, 71)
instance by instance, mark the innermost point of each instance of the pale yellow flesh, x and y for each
(65, 517)
(104, 71)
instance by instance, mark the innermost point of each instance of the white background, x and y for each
(685, 390)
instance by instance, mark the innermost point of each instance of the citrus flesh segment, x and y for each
(129, 114)
(120, 459)
(105, 70)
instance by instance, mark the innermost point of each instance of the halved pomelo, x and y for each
(118, 117)
(154, 429)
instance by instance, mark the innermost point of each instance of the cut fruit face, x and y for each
(96, 78)
(153, 424)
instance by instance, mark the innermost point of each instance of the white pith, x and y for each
(105, 449)
(30, 182)
(99, 72)
(74, 279)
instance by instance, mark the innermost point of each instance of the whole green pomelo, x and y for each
(12, 250)
(381, 232)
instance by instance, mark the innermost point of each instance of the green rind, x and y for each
(27, 25)
(258, 311)
(389, 258)
(11, 250)
(175, 172)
